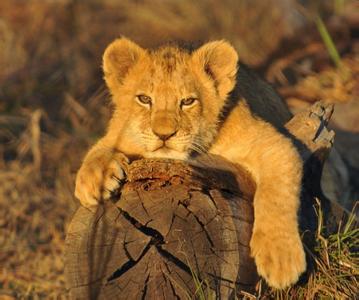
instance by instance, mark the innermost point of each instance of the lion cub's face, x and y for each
(168, 101)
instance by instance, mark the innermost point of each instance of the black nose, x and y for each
(166, 136)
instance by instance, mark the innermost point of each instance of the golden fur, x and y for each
(169, 103)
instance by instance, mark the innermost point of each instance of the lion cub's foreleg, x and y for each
(277, 169)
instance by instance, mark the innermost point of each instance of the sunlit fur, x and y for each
(168, 75)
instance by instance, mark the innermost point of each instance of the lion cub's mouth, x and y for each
(165, 147)
(165, 151)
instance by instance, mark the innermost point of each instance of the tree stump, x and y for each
(179, 230)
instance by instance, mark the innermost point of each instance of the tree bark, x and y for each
(178, 230)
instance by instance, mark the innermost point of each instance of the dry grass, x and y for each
(335, 261)
(335, 266)
(53, 105)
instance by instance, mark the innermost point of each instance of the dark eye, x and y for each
(188, 101)
(144, 99)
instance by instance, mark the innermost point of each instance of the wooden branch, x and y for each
(179, 226)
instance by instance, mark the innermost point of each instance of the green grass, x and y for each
(338, 6)
(328, 41)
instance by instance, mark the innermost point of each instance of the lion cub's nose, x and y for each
(165, 137)
(164, 127)
(164, 133)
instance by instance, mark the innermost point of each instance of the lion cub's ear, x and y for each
(119, 57)
(219, 60)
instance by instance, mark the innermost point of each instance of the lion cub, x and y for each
(170, 103)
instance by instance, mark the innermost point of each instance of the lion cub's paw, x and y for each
(280, 259)
(99, 176)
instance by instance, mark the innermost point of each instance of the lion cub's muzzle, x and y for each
(164, 125)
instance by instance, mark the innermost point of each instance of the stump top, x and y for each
(212, 172)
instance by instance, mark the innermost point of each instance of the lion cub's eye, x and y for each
(143, 99)
(188, 101)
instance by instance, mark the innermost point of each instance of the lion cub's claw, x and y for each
(113, 179)
(99, 177)
(280, 261)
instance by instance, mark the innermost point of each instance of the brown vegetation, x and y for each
(53, 106)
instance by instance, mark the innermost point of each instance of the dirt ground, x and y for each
(54, 105)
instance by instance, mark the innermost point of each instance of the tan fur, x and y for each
(171, 130)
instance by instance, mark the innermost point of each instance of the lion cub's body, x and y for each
(171, 103)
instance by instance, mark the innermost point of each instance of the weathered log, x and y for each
(180, 229)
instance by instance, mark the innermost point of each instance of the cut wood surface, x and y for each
(179, 229)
